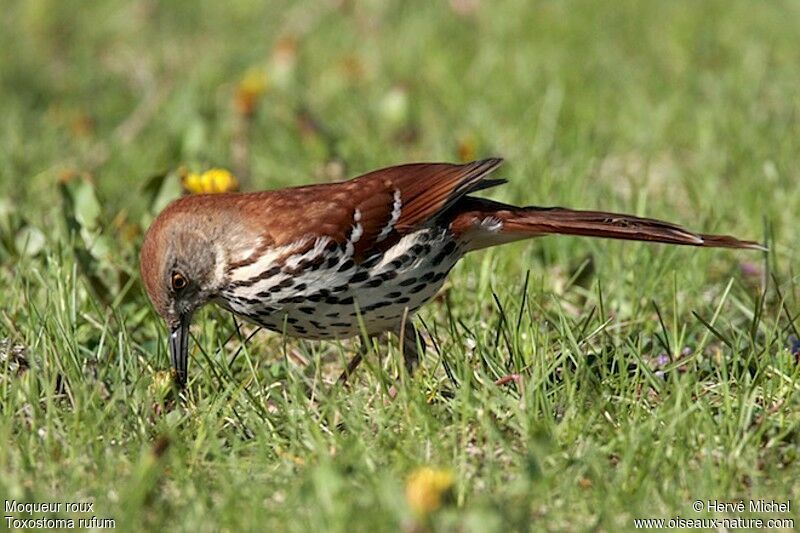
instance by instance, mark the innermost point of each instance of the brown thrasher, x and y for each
(321, 260)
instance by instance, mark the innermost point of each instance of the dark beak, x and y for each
(179, 349)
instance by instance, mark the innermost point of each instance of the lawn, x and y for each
(646, 377)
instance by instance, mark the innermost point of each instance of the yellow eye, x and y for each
(179, 282)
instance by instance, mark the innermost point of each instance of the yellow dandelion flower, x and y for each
(215, 180)
(426, 488)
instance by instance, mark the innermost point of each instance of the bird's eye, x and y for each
(179, 281)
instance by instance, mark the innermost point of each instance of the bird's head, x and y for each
(180, 263)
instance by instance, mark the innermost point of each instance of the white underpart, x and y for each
(382, 307)
(397, 209)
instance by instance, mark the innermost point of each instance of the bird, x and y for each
(337, 260)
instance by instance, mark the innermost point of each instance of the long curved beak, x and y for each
(179, 349)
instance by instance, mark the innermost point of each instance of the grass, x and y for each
(651, 376)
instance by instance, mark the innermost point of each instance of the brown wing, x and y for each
(404, 197)
(373, 210)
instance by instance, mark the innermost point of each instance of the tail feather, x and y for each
(493, 223)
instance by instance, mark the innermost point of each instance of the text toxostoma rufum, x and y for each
(319, 261)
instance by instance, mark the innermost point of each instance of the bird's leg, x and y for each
(411, 350)
(356, 360)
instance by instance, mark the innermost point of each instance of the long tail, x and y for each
(486, 223)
